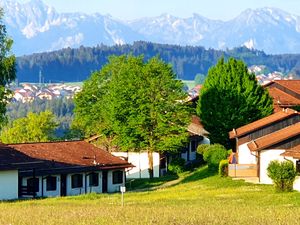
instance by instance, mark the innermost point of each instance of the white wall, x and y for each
(8, 185)
(141, 163)
(266, 156)
(297, 184)
(245, 156)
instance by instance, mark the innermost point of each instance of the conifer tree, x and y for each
(230, 98)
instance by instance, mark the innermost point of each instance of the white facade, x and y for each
(191, 155)
(245, 155)
(85, 188)
(266, 156)
(141, 162)
(8, 185)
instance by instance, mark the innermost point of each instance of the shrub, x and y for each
(223, 168)
(283, 174)
(176, 166)
(213, 154)
(202, 148)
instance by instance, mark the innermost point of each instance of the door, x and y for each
(104, 181)
(63, 185)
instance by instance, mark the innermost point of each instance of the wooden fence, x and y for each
(242, 170)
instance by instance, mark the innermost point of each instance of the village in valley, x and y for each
(141, 132)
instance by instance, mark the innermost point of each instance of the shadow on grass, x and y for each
(201, 173)
(145, 183)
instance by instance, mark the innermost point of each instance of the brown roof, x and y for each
(293, 152)
(282, 98)
(293, 85)
(274, 138)
(196, 127)
(59, 154)
(261, 123)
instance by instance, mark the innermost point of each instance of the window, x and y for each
(77, 181)
(93, 179)
(33, 184)
(118, 177)
(298, 166)
(194, 145)
(51, 183)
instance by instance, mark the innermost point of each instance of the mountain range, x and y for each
(36, 27)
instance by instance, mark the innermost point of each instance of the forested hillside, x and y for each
(71, 65)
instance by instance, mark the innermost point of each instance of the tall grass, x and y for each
(197, 199)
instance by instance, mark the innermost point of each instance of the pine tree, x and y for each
(230, 98)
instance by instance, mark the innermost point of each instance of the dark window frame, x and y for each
(33, 184)
(118, 177)
(194, 145)
(94, 179)
(77, 181)
(51, 183)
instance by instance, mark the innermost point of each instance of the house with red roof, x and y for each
(275, 137)
(58, 169)
(285, 93)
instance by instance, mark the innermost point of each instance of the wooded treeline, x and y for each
(70, 65)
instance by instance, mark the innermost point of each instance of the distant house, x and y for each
(285, 93)
(276, 137)
(198, 135)
(58, 169)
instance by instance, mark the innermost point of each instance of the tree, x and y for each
(230, 98)
(283, 174)
(7, 68)
(32, 128)
(139, 103)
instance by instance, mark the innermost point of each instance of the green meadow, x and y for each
(193, 198)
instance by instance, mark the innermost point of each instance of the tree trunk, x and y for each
(150, 160)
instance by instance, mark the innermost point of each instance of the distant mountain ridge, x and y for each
(36, 27)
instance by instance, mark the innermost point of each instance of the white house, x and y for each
(141, 162)
(58, 169)
(276, 137)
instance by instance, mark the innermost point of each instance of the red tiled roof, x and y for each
(262, 122)
(293, 85)
(293, 152)
(282, 98)
(63, 154)
(196, 127)
(274, 138)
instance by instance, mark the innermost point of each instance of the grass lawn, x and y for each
(197, 199)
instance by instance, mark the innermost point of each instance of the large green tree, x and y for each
(139, 103)
(32, 128)
(230, 98)
(7, 68)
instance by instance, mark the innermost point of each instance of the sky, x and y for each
(133, 9)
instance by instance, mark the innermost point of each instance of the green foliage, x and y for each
(230, 98)
(137, 103)
(62, 108)
(32, 128)
(202, 148)
(223, 168)
(213, 154)
(283, 174)
(7, 68)
(176, 166)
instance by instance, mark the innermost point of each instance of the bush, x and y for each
(213, 154)
(223, 168)
(283, 174)
(202, 148)
(176, 166)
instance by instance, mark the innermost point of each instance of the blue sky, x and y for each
(131, 9)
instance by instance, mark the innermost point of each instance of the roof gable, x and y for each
(281, 115)
(274, 138)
